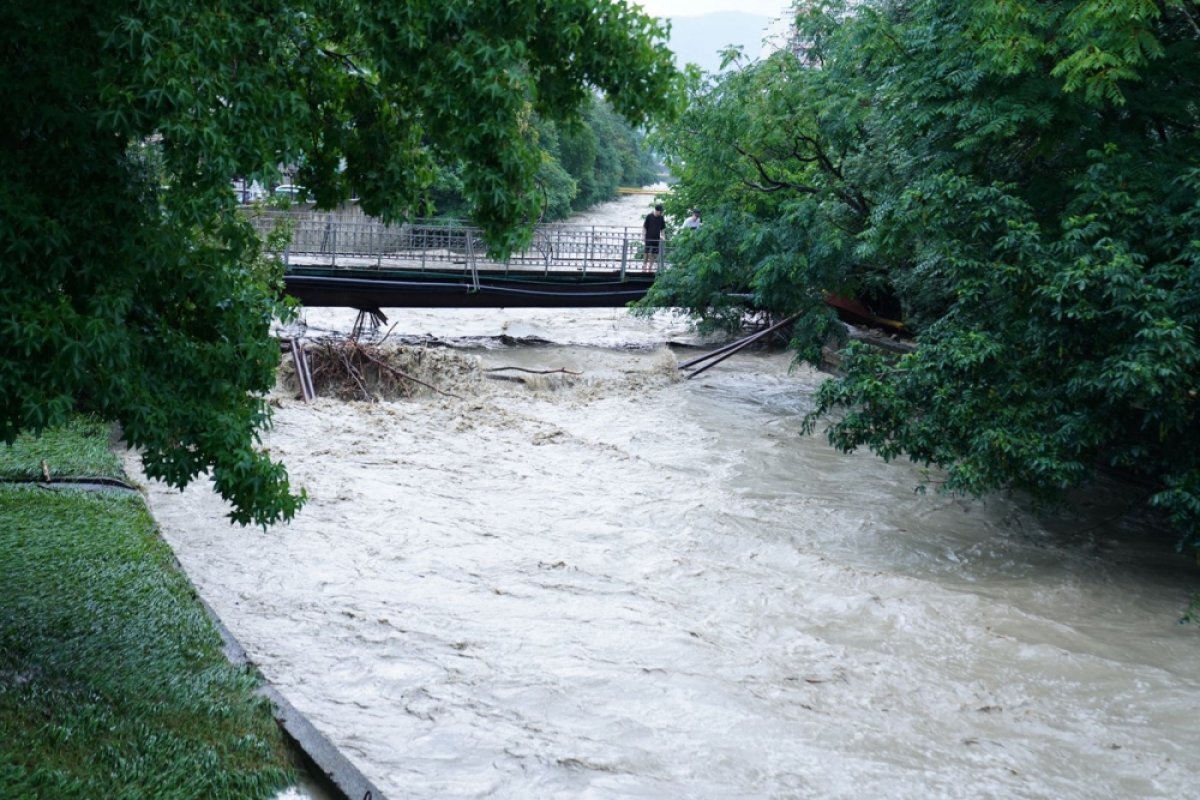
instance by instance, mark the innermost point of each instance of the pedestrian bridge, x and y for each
(361, 263)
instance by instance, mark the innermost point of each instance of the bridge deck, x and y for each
(365, 264)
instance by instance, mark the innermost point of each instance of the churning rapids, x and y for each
(622, 585)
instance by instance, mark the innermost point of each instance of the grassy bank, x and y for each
(112, 679)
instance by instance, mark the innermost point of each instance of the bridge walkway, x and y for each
(366, 264)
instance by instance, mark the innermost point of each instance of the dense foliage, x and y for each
(1021, 182)
(130, 288)
(583, 162)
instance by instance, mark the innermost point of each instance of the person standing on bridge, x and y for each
(654, 226)
(693, 222)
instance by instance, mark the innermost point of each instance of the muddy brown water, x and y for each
(618, 584)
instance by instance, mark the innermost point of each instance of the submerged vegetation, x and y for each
(1019, 183)
(112, 678)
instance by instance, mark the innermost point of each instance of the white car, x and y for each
(290, 191)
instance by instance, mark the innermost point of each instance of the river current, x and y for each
(608, 582)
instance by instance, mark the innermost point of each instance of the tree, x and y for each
(769, 153)
(581, 165)
(131, 287)
(601, 151)
(1023, 179)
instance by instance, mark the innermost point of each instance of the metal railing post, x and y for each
(471, 259)
(587, 249)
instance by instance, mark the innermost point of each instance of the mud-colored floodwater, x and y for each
(618, 584)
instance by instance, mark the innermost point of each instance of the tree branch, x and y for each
(774, 184)
(563, 370)
(400, 374)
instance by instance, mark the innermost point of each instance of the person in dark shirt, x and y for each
(653, 226)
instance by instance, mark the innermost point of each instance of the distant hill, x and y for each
(699, 40)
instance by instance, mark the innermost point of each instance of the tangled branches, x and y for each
(352, 370)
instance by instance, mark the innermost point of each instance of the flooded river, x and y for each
(609, 583)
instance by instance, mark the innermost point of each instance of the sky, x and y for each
(692, 8)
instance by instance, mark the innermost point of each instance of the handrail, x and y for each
(367, 244)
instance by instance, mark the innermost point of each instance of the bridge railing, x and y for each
(437, 245)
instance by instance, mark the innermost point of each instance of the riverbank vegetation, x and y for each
(1019, 183)
(130, 284)
(112, 678)
(583, 161)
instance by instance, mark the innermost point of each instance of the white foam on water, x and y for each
(618, 584)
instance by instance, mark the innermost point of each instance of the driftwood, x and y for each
(353, 370)
(560, 370)
(303, 371)
(404, 375)
(722, 353)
